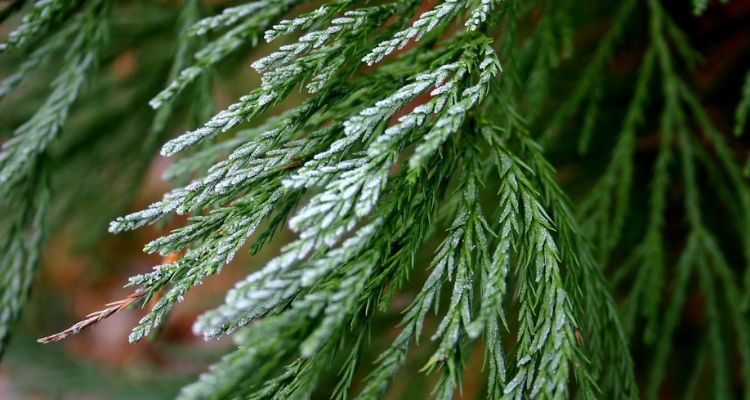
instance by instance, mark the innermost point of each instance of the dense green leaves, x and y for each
(411, 138)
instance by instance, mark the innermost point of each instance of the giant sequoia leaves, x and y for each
(423, 127)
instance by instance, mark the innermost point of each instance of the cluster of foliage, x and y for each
(421, 121)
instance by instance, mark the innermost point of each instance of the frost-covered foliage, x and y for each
(422, 127)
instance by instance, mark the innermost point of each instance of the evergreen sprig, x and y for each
(408, 137)
(24, 161)
(43, 16)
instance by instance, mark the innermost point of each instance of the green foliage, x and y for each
(23, 237)
(409, 133)
(743, 109)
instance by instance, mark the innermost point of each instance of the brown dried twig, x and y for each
(112, 308)
(93, 318)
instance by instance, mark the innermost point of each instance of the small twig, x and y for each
(112, 308)
(93, 318)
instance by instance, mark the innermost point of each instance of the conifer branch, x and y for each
(32, 138)
(407, 138)
(23, 235)
(38, 21)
